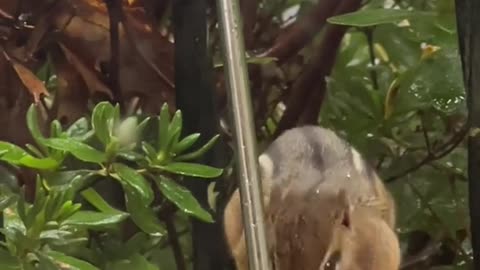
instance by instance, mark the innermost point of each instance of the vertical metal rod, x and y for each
(240, 101)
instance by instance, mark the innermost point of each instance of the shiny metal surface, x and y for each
(244, 133)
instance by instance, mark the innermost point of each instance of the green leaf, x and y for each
(80, 130)
(185, 143)
(182, 198)
(175, 126)
(136, 261)
(198, 153)
(80, 150)
(164, 123)
(142, 216)
(92, 219)
(34, 128)
(46, 262)
(149, 150)
(7, 200)
(141, 126)
(92, 196)
(71, 263)
(17, 156)
(102, 115)
(66, 211)
(7, 261)
(33, 149)
(135, 180)
(192, 169)
(371, 17)
(56, 129)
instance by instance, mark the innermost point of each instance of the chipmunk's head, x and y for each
(325, 232)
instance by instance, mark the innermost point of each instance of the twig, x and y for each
(447, 147)
(175, 244)
(425, 134)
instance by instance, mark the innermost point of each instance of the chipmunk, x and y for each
(325, 207)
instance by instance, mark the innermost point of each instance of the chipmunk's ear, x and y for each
(345, 212)
(265, 166)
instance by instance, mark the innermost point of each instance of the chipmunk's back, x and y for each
(324, 205)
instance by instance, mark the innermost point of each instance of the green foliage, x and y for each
(56, 230)
(405, 111)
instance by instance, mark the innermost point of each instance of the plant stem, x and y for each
(174, 243)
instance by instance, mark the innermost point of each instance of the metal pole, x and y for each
(240, 101)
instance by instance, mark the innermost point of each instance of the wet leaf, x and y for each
(200, 152)
(16, 155)
(192, 169)
(135, 180)
(371, 17)
(182, 198)
(185, 143)
(142, 215)
(93, 219)
(101, 116)
(71, 263)
(78, 149)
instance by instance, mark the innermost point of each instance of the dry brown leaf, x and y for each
(91, 80)
(29, 80)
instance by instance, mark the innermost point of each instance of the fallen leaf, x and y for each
(91, 80)
(29, 79)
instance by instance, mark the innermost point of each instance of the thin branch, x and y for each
(175, 244)
(445, 149)
(425, 134)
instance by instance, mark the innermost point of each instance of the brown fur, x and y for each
(322, 203)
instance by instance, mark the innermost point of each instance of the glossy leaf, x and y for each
(78, 149)
(17, 156)
(182, 198)
(192, 169)
(102, 113)
(80, 130)
(32, 124)
(163, 125)
(149, 150)
(175, 126)
(142, 215)
(135, 180)
(93, 219)
(67, 210)
(185, 143)
(371, 17)
(92, 196)
(71, 263)
(200, 152)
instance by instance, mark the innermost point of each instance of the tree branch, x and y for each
(301, 32)
(308, 90)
